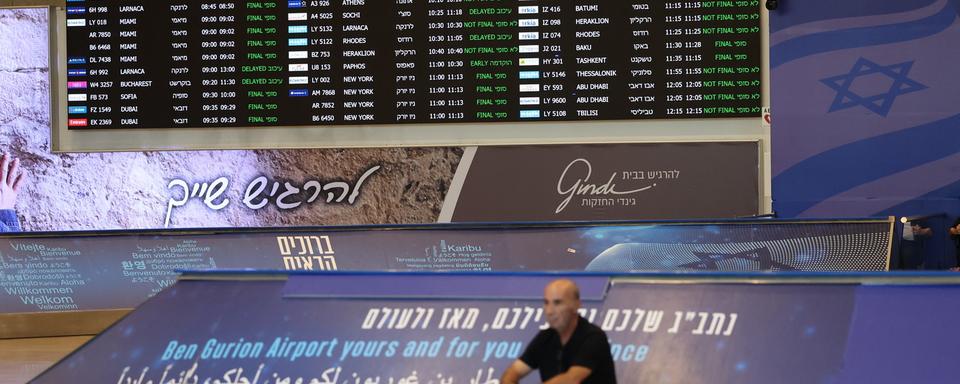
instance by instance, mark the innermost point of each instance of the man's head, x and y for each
(561, 300)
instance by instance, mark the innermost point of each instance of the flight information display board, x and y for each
(188, 63)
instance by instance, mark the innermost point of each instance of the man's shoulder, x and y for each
(589, 328)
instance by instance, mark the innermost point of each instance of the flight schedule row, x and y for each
(325, 62)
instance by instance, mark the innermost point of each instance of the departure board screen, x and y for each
(149, 64)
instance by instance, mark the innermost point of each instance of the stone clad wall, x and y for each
(130, 190)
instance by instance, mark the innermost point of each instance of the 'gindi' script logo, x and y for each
(575, 181)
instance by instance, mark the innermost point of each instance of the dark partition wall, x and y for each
(110, 270)
(463, 329)
(92, 274)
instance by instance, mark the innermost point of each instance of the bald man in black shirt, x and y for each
(572, 350)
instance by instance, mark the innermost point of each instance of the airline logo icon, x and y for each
(77, 110)
(297, 42)
(76, 72)
(297, 29)
(529, 101)
(297, 16)
(529, 22)
(299, 92)
(294, 80)
(295, 4)
(529, 48)
(76, 22)
(76, 122)
(529, 74)
(77, 97)
(530, 114)
(529, 35)
(299, 67)
(529, 87)
(529, 61)
(528, 10)
(77, 60)
(76, 10)
(76, 84)
(297, 55)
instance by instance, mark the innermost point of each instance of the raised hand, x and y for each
(10, 180)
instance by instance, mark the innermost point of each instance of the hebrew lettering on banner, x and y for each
(261, 335)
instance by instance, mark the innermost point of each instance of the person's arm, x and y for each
(575, 375)
(515, 372)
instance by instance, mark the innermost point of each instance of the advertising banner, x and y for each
(252, 331)
(120, 270)
(611, 182)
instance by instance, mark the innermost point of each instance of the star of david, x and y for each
(761, 256)
(881, 103)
